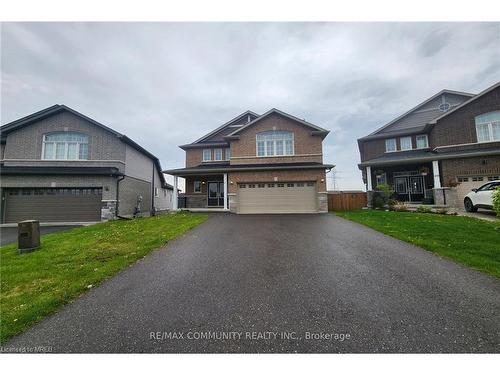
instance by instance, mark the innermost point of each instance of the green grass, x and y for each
(473, 242)
(71, 262)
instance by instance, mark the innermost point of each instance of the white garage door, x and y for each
(277, 198)
(467, 183)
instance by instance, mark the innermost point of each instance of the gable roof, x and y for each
(318, 130)
(248, 113)
(58, 108)
(414, 118)
(489, 89)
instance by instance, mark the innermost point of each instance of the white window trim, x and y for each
(490, 132)
(194, 187)
(401, 143)
(221, 154)
(274, 147)
(426, 141)
(203, 154)
(395, 145)
(54, 153)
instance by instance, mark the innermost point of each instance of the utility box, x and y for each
(28, 236)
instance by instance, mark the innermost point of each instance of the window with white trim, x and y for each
(65, 146)
(228, 153)
(274, 143)
(488, 127)
(422, 141)
(390, 145)
(197, 186)
(218, 154)
(207, 154)
(405, 143)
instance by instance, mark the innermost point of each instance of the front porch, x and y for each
(416, 183)
(203, 193)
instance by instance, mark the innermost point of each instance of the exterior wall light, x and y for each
(322, 180)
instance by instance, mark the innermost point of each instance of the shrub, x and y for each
(441, 211)
(424, 209)
(391, 203)
(400, 207)
(381, 196)
(496, 200)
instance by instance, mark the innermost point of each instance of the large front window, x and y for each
(275, 143)
(65, 146)
(488, 127)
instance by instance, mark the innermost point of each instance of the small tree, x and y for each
(382, 195)
(496, 200)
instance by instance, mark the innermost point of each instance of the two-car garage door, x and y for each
(291, 197)
(52, 205)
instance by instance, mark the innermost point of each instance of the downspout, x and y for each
(118, 198)
(153, 192)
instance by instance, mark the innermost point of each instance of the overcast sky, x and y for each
(166, 84)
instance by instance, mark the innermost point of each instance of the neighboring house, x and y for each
(439, 150)
(58, 165)
(271, 163)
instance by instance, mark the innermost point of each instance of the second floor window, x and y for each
(65, 146)
(405, 143)
(488, 127)
(390, 145)
(422, 141)
(207, 154)
(228, 153)
(274, 143)
(218, 154)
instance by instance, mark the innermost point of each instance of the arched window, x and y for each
(65, 146)
(274, 143)
(488, 127)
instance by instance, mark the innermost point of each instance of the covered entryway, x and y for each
(52, 205)
(283, 197)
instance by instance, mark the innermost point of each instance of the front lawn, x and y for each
(73, 261)
(473, 242)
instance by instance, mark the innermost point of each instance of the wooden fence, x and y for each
(346, 200)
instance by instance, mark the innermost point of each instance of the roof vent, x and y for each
(444, 106)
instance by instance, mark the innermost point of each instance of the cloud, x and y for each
(166, 84)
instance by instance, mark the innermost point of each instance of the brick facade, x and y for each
(459, 127)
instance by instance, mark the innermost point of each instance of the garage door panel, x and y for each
(277, 199)
(52, 205)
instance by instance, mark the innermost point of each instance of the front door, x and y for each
(216, 194)
(409, 188)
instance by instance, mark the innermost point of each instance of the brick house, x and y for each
(57, 165)
(439, 150)
(270, 163)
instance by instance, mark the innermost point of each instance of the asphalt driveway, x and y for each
(266, 283)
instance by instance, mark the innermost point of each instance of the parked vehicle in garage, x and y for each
(481, 197)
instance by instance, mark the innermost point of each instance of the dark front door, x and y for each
(409, 188)
(216, 194)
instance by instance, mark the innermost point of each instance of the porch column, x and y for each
(225, 191)
(435, 172)
(369, 179)
(175, 205)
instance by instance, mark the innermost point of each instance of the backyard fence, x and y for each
(346, 200)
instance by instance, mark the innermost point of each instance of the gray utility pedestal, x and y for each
(28, 236)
